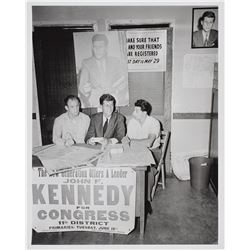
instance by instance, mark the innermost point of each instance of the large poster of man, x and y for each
(101, 64)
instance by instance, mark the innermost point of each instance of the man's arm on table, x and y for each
(148, 142)
(91, 137)
(91, 131)
(120, 128)
(57, 135)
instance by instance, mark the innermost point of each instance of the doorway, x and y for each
(55, 72)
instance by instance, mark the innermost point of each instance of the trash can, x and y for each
(200, 171)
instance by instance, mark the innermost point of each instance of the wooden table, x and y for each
(136, 158)
(139, 159)
(140, 198)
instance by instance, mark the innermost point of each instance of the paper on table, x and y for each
(132, 157)
(60, 159)
(38, 149)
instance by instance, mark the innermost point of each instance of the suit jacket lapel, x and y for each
(212, 37)
(111, 126)
(201, 38)
(99, 126)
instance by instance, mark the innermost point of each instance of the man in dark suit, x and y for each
(206, 36)
(106, 127)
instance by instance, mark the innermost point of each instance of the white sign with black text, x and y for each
(146, 50)
(87, 199)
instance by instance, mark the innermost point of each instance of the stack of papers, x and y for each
(58, 159)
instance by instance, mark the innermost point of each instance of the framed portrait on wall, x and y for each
(204, 28)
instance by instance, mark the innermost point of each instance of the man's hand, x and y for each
(105, 141)
(69, 142)
(91, 141)
(125, 140)
(60, 142)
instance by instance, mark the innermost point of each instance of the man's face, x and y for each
(207, 23)
(138, 113)
(107, 108)
(99, 49)
(73, 107)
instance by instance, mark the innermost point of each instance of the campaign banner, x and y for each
(146, 50)
(87, 199)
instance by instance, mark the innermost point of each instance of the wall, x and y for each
(187, 135)
(36, 135)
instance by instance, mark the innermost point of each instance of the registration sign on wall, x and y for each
(88, 199)
(146, 50)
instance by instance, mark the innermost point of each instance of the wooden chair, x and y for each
(165, 136)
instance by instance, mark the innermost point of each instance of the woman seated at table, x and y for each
(144, 130)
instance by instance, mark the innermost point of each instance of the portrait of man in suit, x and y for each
(102, 73)
(205, 36)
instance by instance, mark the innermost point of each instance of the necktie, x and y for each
(206, 40)
(105, 126)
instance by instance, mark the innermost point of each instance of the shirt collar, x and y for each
(145, 121)
(205, 34)
(104, 119)
(74, 118)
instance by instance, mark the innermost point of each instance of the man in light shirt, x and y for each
(106, 127)
(144, 130)
(70, 127)
(206, 36)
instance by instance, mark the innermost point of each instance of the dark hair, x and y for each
(108, 98)
(144, 105)
(208, 14)
(71, 97)
(100, 37)
(205, 14)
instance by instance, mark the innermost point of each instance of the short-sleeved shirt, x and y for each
(66, 128)
(138, 131)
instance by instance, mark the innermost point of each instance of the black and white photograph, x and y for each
(205, 28)
(125, 125)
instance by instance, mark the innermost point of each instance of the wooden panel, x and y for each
(215, 80)
(168, 97)
(213, 139)
(213, 148)
(192, 116)
(213, 144)
(215, 67)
